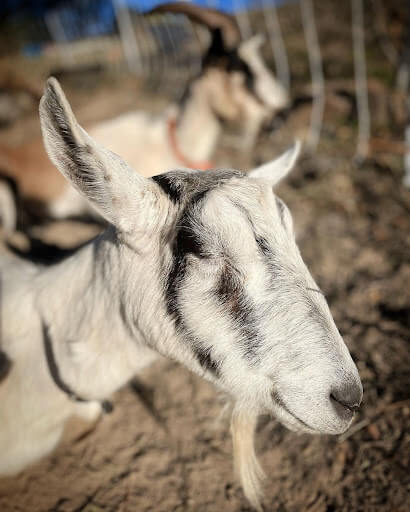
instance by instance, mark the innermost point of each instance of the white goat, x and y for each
(234, 85)
(202, 268)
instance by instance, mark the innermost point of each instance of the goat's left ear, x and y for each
(277, 169)
(118, 193)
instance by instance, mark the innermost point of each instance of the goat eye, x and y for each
(208, 255)
(188, 242)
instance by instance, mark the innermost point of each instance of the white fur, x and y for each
(107, 308)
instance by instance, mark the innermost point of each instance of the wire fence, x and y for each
(165, 49)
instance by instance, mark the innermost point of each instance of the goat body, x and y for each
(62, 302)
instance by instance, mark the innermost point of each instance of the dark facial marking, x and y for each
(235, 63)
(192, 189)
(5, 365)
(186, 241)
(231, 295)
(195, 186)
(218, 56)
(274, 271)
(263, 245)
(230, 60)
(261, 241)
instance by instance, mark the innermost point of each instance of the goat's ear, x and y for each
(277, 169)
(116, 191)
(253, 44)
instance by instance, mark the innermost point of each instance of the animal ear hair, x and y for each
(277, 169)
(255, 42)
(116, 191)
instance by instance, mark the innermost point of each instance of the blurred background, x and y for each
(345, 69)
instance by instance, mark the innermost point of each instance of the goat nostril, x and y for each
(347, 393)
(353, 407)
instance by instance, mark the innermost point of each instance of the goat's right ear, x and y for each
(118, 193)
(277, 169)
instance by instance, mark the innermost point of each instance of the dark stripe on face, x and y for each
(267, 252)
(232, 296)
(189, 189)
(263, 245)
(228, 59)
(187, 241)
(169, 186)
(261, 241)
(236, 63)
(275, 271)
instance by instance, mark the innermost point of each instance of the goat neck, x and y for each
(198, 127)
(84, 308)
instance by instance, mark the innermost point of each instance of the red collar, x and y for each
(172, 135)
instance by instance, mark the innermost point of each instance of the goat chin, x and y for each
(247, 467)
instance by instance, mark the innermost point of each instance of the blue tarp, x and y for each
(86, 18)
(230, 6)
(39, 7)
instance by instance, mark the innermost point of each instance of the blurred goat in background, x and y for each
(234, 86)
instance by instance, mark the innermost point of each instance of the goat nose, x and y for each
(348, 395)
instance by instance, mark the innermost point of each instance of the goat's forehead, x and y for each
(181, 186)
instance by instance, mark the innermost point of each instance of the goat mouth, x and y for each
(301, 425)
(281, 404)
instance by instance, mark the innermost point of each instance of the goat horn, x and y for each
(208, 17)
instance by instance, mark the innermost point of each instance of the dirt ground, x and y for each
(165, 447)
